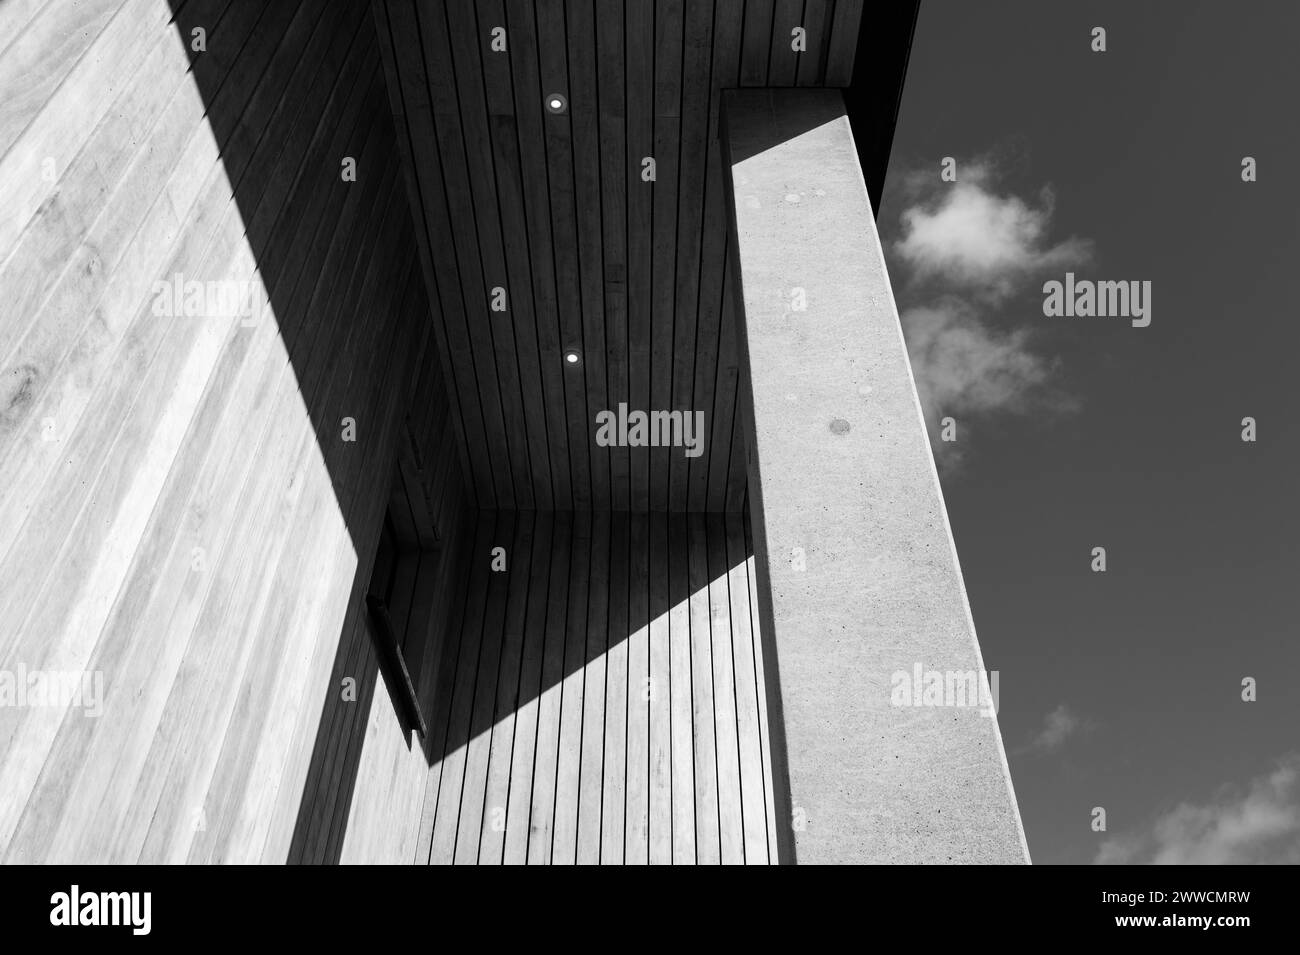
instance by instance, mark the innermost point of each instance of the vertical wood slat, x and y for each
(783, 60)
(329, 791)
(691, 217)
(595, 697)
(519, 559)
(846, 22)
(725, 466)
(432, 221)
(527, 706)
(464, 209)
(541, 817)
(483, 707)
(384, 824)
(531, 125)
(552, 48)
(641, 320)
(450, 417)
(618, 699)
(497, 335)
(444, 682)
(727, 38)
(812, 62)
(708, 846)
(626, 718)
(680, 692)
(523, 311)
(664, 317)
(452, 761)
(757, 47)
(402, 600)
(764, 730)
(734, 489)
(660, 785)
(571, 754)
(327, 738)
(618, 173)
(640, 689)
(753, 771)
(730, 806)
(585, 108)
(337, 743)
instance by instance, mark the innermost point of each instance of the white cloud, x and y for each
(966, 236)
(1059, 726)
(965, 250)
(1258, 824)
(965, 366)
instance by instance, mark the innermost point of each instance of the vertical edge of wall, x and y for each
(858, 575)
(361, 802)
(384, 817)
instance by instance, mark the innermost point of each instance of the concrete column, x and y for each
(860, 589)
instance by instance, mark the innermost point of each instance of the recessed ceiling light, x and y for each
(571, 357)
(556, 102)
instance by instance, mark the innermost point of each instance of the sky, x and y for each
(1121, 689)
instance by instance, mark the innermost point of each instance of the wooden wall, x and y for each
(368, 770)
(552, 208)
(600, 699)
(180, 513)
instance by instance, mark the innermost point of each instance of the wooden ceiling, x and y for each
(552, 207)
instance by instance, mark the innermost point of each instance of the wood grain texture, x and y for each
(599, 739)
(192, 500)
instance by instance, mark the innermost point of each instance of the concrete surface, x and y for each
(858, 574)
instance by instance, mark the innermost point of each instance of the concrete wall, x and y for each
(859, 580)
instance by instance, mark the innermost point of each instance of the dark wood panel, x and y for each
(465, 209)
(552, 206)
(530, 118)
(846, 21)
(783, 59)
(588, 193)
(639, 94)
(668, 96)
(496, 332)
(408, 92)
(553, 75)
(812, 64)
(710, 351)
(757, 48)
(615, 175)
(697, 69)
